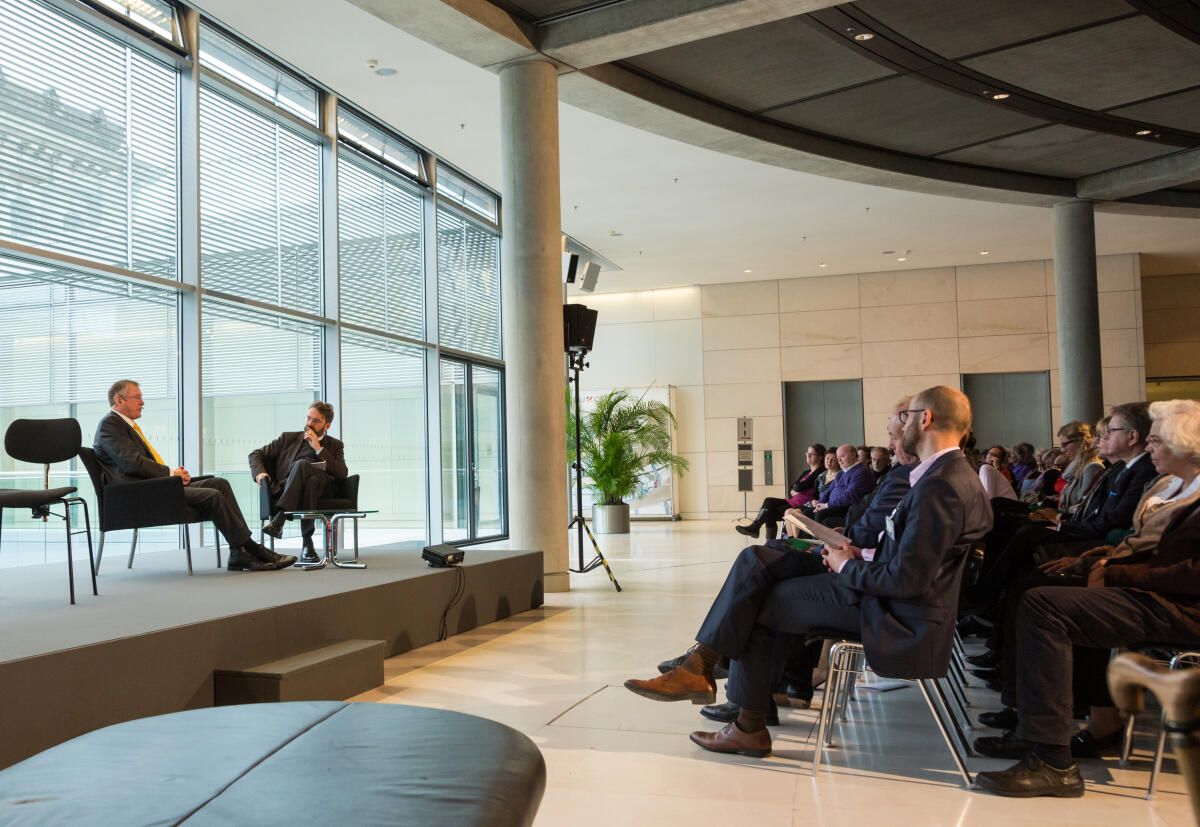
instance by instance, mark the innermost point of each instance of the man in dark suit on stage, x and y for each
(126, 456)
(300, 467)
(900, 597)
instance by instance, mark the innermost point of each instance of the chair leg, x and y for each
(958, 761)
(953, 718)
(217, 543)
(100, 552)
(187, 545)
(87, 528)
(132, 548)
(70, 556)
(827, 706)
(1127, 746)
(1158, 757)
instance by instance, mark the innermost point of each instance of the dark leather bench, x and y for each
(320, 762)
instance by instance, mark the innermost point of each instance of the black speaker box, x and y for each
(579, 327)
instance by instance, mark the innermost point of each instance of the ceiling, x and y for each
(659, 199)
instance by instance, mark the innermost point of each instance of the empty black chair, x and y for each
(140, 504)
(46, 441)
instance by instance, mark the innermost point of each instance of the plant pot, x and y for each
(610, 519)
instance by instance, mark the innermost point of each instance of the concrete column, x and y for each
(1080, 379)
(532, 303)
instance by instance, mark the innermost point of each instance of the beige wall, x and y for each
(1171, 315)
(728, 347)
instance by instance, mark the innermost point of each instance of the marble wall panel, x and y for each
(1119, 348)
(1002, 317)
(743, 298)
(751, 399)
(723, 367)
(692, 486)
(741, 332)
(677, 356)
(910, 358)
(818, 293)
(1003, 354)
(819, 327)
(934, 320)
(1003, 280)
(906, 287)
(690, 423)
(821, 362)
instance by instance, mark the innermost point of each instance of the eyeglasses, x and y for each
(903, 415)
(1066, 443)
(1110, 430)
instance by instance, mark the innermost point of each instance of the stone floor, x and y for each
(615, 758)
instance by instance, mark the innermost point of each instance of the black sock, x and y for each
(1056, 755)
(749, 721)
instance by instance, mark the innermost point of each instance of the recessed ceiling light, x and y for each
(1143, 132)
(902, 258)
(863, 36)
(822, 264)
(615, 234)
(999, 96)
(745, 271)
(984, 252)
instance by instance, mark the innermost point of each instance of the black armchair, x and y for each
(46, 441)
(140, 504)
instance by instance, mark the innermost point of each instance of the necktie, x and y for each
(153, 453)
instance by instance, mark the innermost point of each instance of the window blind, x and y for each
(468, 285)
(260, 215)
(374, 362)
(64, 336)
(88, 143)
(380, 249)
(251, 351)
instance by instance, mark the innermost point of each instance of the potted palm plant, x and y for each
(621, 440)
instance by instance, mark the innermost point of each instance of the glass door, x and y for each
(472, 452)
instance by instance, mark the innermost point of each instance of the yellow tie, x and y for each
(153, 453)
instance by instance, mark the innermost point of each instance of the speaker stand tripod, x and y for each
(578, 522)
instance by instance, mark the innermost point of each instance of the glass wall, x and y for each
(96, 284)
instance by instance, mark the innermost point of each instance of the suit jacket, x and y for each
(909, 592)
(1116, 510)
(864, 531)
(123, 455)
(1171, 572)
(276, 457)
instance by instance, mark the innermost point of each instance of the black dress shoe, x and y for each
(720, 672)
(1086, 745)
(275, 527)
(988, 660)
(309, 555)
(986, 674)
(749, 530)
(1032, 777)
(1007, 745)
(239, 560)
(971, 625)
(1004, 719)
(265, 555)
(728, 711)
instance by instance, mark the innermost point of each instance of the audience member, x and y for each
(899, 596)
(853, 483)
(126, 455)
(1039, 489)
(995, 484)
(832, 470)
(864, 454)
(1083, 467)
(997, 457)
(804, 490)
(1147, 588)
(881, 461)
(1021, 464)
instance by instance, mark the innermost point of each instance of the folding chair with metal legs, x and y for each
(1177, 662)
(958, 759)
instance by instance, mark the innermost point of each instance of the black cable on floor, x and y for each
(460, 588)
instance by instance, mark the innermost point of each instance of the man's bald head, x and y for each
(949, 408)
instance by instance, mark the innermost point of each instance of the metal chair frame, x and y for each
(1178, 660)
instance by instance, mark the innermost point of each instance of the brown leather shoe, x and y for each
(677, 685)
(731, 739)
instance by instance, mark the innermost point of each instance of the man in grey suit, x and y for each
(900, 596)
(126, 456)
(300, 468)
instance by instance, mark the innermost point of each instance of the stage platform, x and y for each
(148, 644)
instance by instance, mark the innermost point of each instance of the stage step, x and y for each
(330, 673)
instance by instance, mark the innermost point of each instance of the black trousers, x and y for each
(1089, 686)
(306, 485)
(212, 499)
(769, 595)
(773, 509)
(1003, 567)
(1051, 620)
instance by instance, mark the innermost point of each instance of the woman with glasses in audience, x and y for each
(804, 490)
(1038, 489)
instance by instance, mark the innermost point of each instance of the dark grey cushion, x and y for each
(293, 763)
